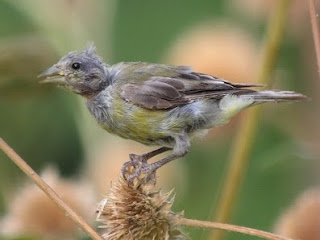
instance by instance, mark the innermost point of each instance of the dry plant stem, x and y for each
(48, 190)
(232, 228)
(245, 136)
(315, 30)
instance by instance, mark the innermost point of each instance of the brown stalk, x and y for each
(48, 190)
(232, 228)
(315, 30)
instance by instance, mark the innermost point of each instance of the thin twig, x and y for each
(315, 30)
(48, 190)
(246, 133)
(230, 227)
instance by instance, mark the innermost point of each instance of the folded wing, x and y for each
(182, 87)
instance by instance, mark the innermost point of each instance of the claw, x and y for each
(136, 167)
(140, 158)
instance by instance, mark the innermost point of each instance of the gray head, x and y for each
(81, 72)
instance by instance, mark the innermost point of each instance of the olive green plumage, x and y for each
(155, 104)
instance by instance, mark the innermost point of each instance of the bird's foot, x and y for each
(137, 158)
(138, 168)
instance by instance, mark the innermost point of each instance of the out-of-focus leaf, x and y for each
(68, 25)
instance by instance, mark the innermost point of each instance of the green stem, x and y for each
(245, 137)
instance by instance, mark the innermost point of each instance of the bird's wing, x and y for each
(177, 87)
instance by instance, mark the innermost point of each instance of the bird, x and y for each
(155, 104)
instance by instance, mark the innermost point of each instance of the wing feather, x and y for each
(178, 87)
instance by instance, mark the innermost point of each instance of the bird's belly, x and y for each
(159, 127)
(133, 122)
(144, 135)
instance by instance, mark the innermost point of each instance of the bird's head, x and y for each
(81, 72)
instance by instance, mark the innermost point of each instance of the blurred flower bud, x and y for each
(302, 219)
(31, 212)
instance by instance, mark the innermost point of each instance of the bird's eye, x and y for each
(75, 65)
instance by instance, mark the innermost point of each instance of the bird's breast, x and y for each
(128, 120)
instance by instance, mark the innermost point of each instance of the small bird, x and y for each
(155, 104)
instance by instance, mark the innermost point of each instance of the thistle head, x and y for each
(82, 72)
(138, 211)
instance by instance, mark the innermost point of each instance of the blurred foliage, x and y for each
(42, 123)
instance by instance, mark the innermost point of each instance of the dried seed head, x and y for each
(302, 220)
(138, 211)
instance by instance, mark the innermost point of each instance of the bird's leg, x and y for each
(181, 149)
(154, 166)
(137, 160)
(150, 169)
(145, 157)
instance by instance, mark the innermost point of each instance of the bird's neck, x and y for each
(99, 105)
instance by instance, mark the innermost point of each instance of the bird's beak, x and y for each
(53, 75)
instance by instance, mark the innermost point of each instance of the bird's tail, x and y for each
(274, 96)
(231, 104)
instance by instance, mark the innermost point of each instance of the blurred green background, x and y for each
(48, 126)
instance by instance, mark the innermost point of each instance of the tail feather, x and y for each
(231, 104)
(274, 96)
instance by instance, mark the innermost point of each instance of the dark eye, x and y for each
(75, 65)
